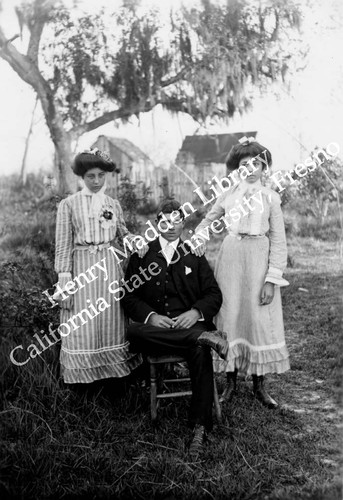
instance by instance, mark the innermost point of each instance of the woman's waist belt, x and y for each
(240, 236)
(92, 248)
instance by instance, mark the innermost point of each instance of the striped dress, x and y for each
(253, 252)
(93, 333)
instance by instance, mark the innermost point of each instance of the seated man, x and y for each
(173, 308)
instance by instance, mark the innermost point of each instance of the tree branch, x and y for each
(35, 35)
(275, 33)
(29, 72)
(176, 78)
(171, 103)
(117, 114)
(123, 113)
(21, 64)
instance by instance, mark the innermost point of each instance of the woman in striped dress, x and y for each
(92, 325)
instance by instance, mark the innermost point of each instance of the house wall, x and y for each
(201, 174)
(143, 173)
(140, 172)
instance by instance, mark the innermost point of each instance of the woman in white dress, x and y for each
(249, 271)
(92, 328)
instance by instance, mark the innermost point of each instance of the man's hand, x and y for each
(267, 294)
(187, 319)
(160, 321)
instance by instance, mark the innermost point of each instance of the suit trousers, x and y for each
(156, 341)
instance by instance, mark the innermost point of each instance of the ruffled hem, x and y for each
(84, 359)
(250, 362)
(86, 368)
(88, 375)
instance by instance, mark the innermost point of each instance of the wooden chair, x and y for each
(155, 396)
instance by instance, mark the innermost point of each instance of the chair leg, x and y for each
(153, 393)
(216, 403)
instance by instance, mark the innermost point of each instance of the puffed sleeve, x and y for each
(64, 239)
(278, 246)
(214, 214)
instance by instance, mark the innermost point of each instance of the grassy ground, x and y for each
(56, 443)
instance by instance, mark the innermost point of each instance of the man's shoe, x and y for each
(230, 388)
(196, 446)
(216, 340)
(261, 394)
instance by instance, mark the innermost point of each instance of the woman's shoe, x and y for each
(230, 389)
(261, 394)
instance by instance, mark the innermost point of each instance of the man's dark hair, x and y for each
(168, 206)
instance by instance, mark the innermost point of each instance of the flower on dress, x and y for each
(106, 217)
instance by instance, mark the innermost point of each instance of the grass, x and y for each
(58, 443)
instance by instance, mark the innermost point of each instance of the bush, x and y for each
(27, 259)
(129, 203)
(310, 226)
(23, 304)
(147, 207)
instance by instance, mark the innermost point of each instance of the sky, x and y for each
(291, 125)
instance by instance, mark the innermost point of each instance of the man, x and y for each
(173, 309)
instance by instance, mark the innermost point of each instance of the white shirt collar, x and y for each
(164, 242)
(88, 192)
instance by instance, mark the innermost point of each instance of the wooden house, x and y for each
(200, 158)
(131, 163)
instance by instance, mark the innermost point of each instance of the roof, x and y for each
(211, 148)
(127, 147)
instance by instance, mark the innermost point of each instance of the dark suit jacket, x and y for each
(193, 278)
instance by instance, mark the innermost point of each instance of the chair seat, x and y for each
(170, 358)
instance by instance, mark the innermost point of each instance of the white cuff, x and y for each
(147, 318)
(201, 314)
(274, 275)
(66, 275)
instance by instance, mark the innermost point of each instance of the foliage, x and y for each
(130, 57)
(201, 60)
(129, 202)
(321, 189)
(75, 57)
(27, 257)
(309, 226)
(316, 193)
(21, 303)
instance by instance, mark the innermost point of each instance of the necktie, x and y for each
(168, 252)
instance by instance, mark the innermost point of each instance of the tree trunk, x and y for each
(325, 208)
(66, 179)
(62, 139)
(28, 71)
(23, 173)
